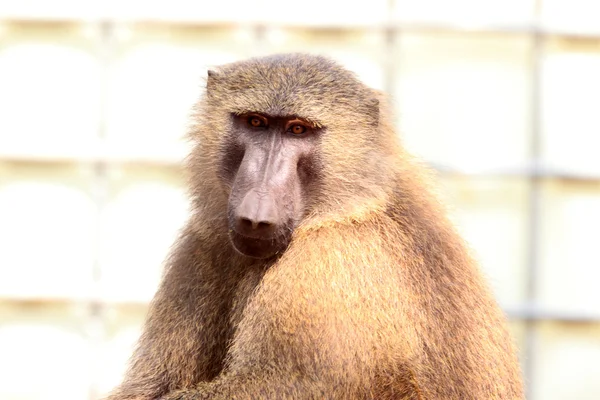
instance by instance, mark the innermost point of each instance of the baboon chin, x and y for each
(258, 247)
(316, 263)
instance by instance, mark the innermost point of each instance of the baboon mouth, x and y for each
(257, 247)
(257, 237)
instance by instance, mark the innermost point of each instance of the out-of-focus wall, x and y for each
(501, 96)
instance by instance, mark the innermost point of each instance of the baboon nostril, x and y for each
(263, 225)
(249, 225)
(246, 223)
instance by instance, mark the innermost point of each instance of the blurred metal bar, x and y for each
(531, 29)
(97, 308)
(173, 157)
(535, 314)
(535, 170)
(535, 200)
(523, 312)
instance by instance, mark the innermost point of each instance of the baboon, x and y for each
(316, 263)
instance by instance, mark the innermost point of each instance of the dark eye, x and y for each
(297, 129)
(256, 122)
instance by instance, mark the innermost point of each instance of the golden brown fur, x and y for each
(375, 297)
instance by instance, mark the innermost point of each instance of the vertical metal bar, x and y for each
(389, 45)
(392, 71)
(97, 326)
(535, 200)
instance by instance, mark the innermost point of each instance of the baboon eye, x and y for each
(298, 129)
(256, 122)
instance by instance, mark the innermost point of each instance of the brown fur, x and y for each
(376, 296)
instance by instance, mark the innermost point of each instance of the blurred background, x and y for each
(502, 97)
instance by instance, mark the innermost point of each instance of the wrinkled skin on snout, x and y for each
(269, 163)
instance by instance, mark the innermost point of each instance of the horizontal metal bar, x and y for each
(175, 155)
(524, 312)
(529, 313)
(531, 171)
(350, 25)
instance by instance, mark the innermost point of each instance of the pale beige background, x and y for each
(502, 97)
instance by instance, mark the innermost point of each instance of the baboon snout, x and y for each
(257, 215)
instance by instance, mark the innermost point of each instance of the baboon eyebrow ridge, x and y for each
(310, 121)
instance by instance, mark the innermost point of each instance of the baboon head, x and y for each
(291, 135)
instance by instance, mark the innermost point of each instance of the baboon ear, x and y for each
(211, 79)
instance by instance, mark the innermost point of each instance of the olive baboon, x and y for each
(316, 263)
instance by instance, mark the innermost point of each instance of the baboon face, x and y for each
(269, 163)
(285, 135)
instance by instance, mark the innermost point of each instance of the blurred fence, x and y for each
(502, 97)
